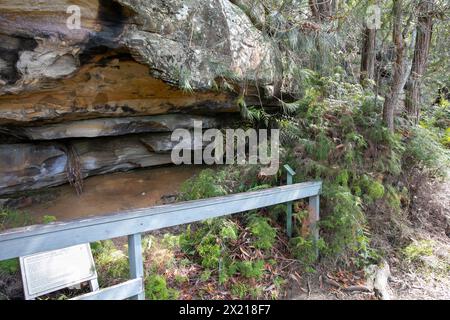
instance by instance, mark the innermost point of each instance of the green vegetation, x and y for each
(346, 145)
(112, 263)
(425, 150)
(341, 123)
(206, 185)
(214, 244)
(156, 289)
(14, 219)
(251, 269)
(10, 266)
(262, 231)
(416, 250)
(48, 219)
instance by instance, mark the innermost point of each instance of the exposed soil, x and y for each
(430, 216)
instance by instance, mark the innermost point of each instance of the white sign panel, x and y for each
(50, 271)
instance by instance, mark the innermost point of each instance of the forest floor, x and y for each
(426, 277)
(423, 272)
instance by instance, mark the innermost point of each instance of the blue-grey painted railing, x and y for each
(33, 239)
(289, 180)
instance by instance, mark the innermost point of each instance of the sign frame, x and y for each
(91, 278)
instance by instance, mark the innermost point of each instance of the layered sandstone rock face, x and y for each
(104, 97)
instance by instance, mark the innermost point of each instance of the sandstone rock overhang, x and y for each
(135, 71)
(101, 127)
(25, 166)
(194, 44)
(108, 86)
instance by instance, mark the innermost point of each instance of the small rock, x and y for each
(381, 285)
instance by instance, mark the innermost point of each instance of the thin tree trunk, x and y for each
(424, 31)
(393, 97)
(368, 55)
(314, 9)
(322, 9)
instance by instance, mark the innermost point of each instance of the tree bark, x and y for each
(322, 9)
(424, 31)
(397, 84)
(368, 55)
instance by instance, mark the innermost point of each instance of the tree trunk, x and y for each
(424, 32)
(393, 96)
(368, 55)
(322, 9)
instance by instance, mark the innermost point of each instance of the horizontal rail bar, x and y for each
(33, 239)
(120, 291)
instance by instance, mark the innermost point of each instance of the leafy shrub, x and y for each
(375, 190)
(393, 198)
(371, 188)
(343, 178)
(206, 275)
(188, 240)
(209, 253)
(111, 262)
(180, 279)
(212, 243)
(334, 133)
(208, 239)
(156, 288)
(10, 266)
(437, 119)
(424, 150)
(171, 241)
(321, 149)
(206, 185)
(228, 230)
(416, 250)
(239, 290)
(14, 219)
(345, 220)
(48, 219)
(445, 140)
(262, 231)
(304, 250)
(251, 269)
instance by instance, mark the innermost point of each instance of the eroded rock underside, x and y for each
(105, 97)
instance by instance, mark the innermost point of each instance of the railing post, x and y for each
(314, 207)
(136, 262)
(289, 178)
